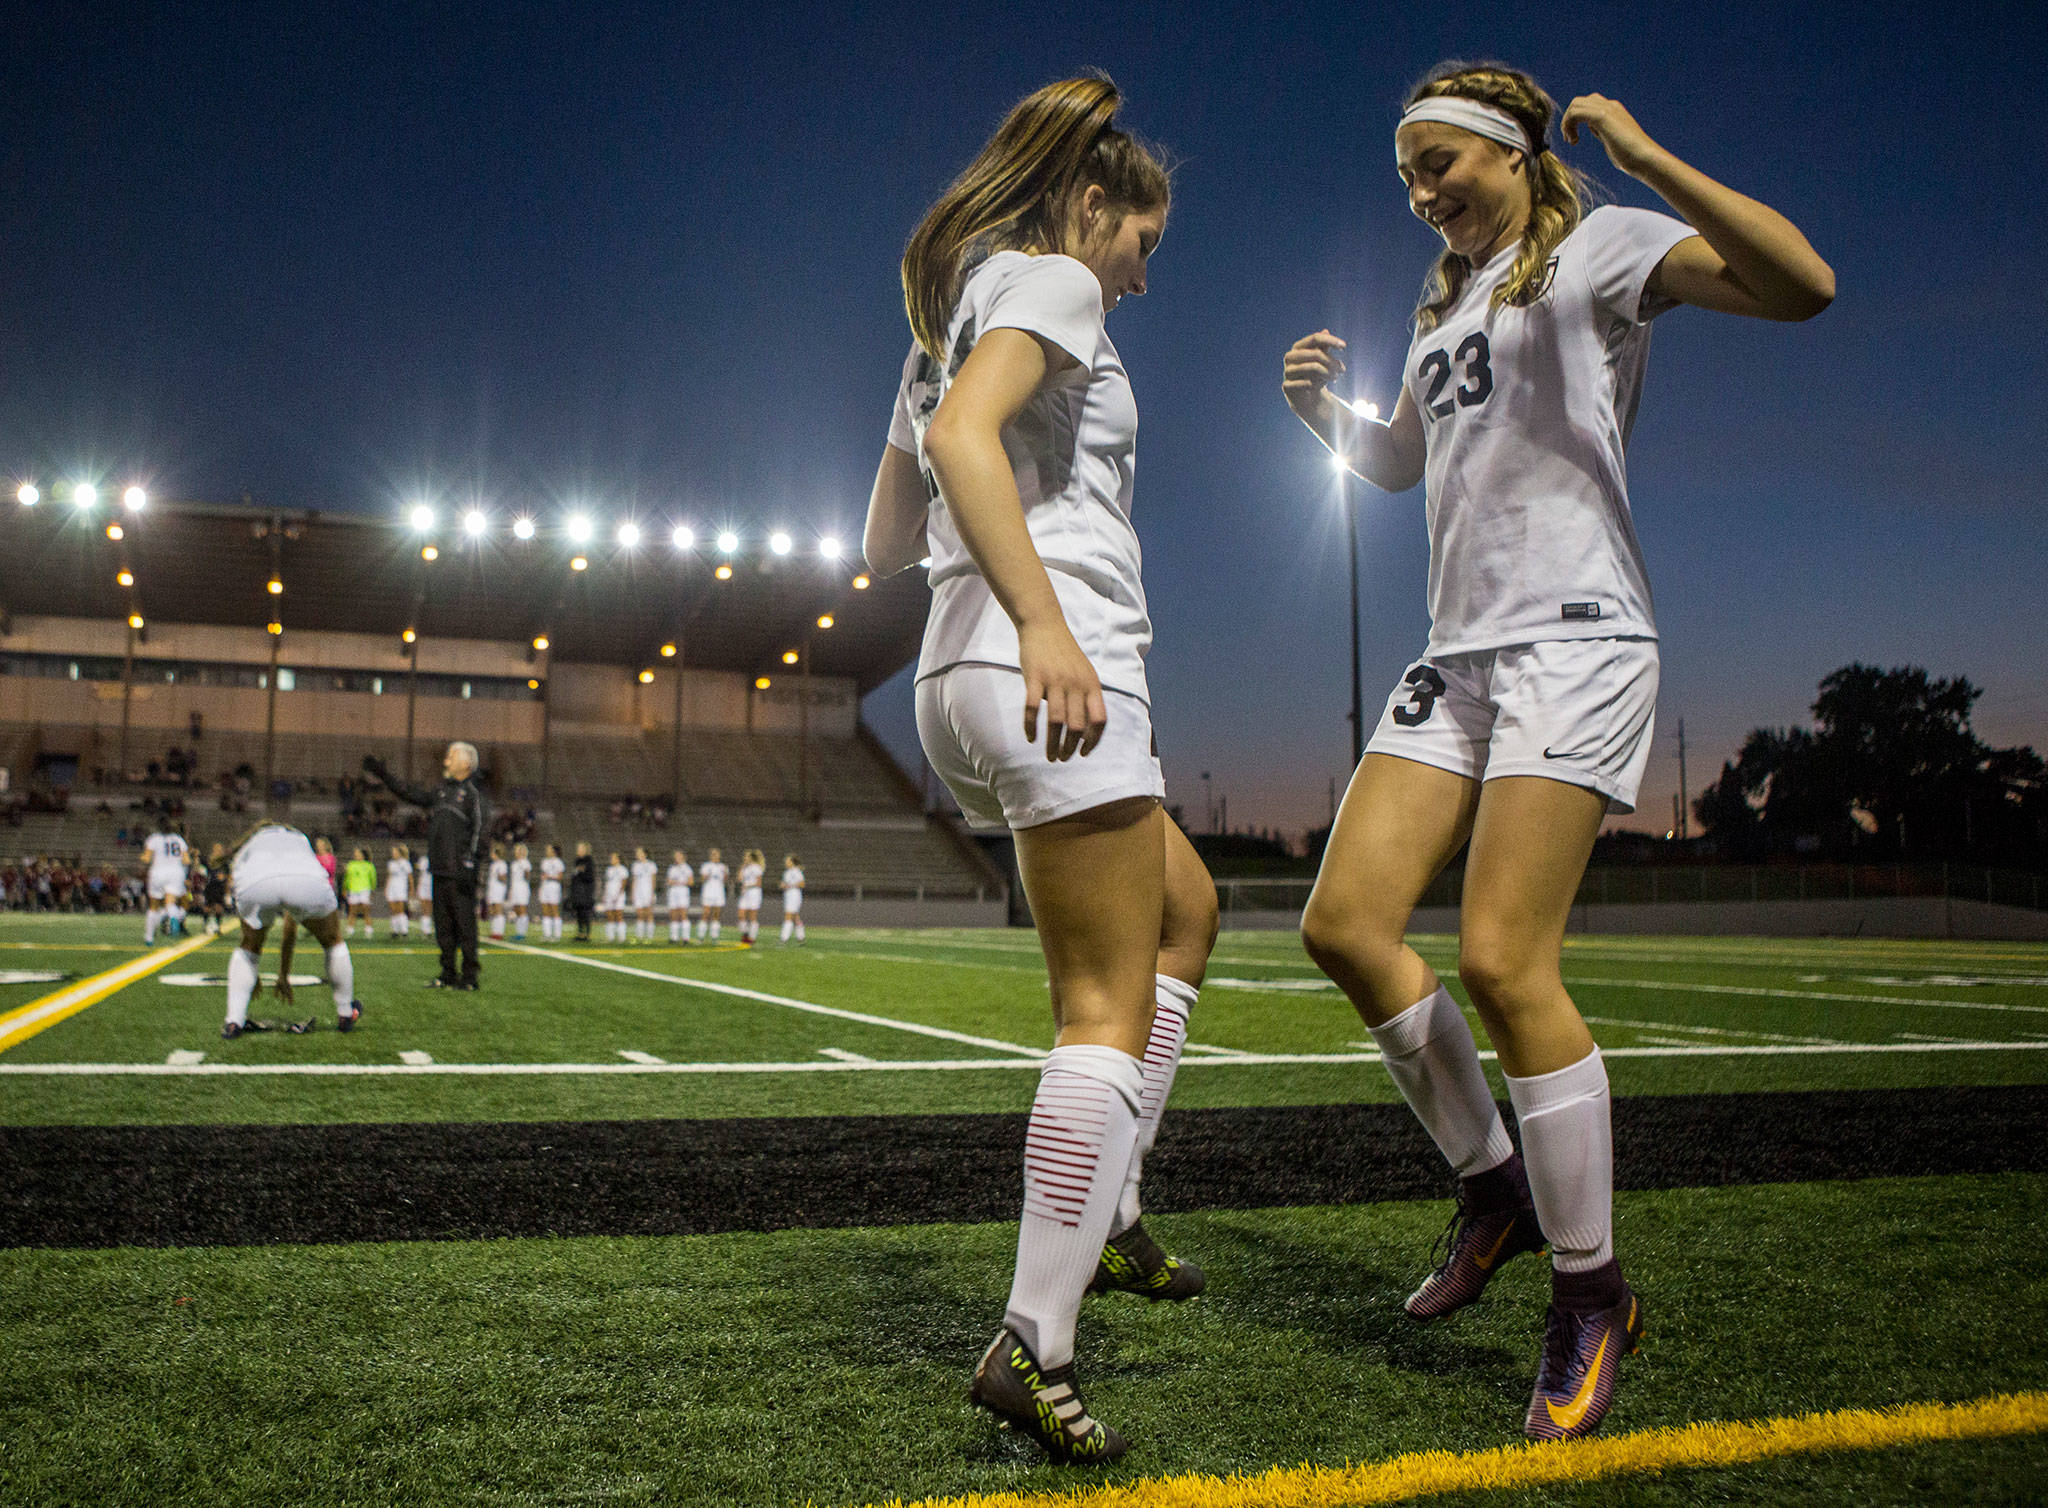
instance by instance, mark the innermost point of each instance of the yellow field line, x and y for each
(20, 1024)
(1428, 1473)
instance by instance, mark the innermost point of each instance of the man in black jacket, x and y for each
(457, 820)
(582, 890)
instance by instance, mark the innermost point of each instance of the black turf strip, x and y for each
(238, 1185)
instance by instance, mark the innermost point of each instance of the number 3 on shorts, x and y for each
(1425, 687)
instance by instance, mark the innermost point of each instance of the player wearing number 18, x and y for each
(1528, 718)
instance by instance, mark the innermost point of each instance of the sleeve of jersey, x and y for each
(1623, 247)
(901, 435)
(1054, 297)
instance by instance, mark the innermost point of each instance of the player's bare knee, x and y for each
(1500, 973)
(1342, 937)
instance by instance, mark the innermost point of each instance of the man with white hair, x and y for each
(457, 820)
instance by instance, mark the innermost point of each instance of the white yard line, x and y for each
(921, 1065)
(646, 1058)
(1759, 990)
(1712, 1031)
(1035, 1054)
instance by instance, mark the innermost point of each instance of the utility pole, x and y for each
(1683, 794)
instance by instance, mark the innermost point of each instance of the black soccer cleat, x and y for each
(344, 1023)
(232, 1029)
(1132, 1262)
(1045, 1405)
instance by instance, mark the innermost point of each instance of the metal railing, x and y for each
(1718, 883)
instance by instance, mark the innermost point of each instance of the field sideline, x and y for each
(748, 1224)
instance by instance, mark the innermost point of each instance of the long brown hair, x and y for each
(1017, 192)
(1559, 195)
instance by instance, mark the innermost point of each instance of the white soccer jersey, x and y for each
(522, 879)
(1526, 415)
(714, 875)
(615, 877)
(494, 885)
(276, 871)
(423, 885)
(166, 852)
(644, 871)
(551, 869)
(397, 879)
(1074, 452)
(792, 888)
(680, 878)
(750, 876)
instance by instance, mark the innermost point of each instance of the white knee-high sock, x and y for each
(788, 926)
(175, 916)
(149, 921)
(1430, 1054)
(799, 929)
(716, 923)
(1568, 1148)
(241, 984)
(1173, 1000)
(675, 931)
(1084, 1126)
(519, 928)
(341, 973)
(401, 925)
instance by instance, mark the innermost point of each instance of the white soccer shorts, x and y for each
(713, 898)
(1578, 710)
(750, 900)
(643, 897)
(971, 721)
(395, 894)
(359, 897)
(166, 885)
(792, 902)
(679, 898)
(551, 892)
(259, 900)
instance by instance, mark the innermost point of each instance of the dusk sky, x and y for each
(332, 257)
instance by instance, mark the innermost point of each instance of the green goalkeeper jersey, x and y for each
(359, 875)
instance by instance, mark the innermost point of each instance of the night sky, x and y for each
(338, 258)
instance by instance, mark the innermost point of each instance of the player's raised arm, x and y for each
(1747, 259)
(1387, 455)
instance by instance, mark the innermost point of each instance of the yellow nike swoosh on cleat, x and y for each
(1485, 1263)
(1569, 1416)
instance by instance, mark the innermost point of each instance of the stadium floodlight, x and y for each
(824, 620)
(276, 628)
(430, 553)
(532, 685)
(861, 583)
(85, 494)
(628, 535)
(579, 563)
(540, 643)
(683, 537)
(647, 678)
(126, 578)
(522, 527)
(727, 541)
(668, 651)
(135, 620)
(115, 531)
(135, 499)
(1337, 462)
(779, 542)
(275, 587)
(761, 683)
(1363, 409)
(723, 573)
(422, 518)
(28, 494)
(407, 637)
(579, 527)
(474, 523)
(789, 657)
(830, 547)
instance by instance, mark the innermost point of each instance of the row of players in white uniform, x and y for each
(509, 895)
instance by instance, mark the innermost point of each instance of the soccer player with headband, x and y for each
(1528, 718)
(1009, 463)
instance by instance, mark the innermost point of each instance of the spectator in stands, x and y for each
(459, 819)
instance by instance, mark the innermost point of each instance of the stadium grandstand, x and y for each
(626, 680)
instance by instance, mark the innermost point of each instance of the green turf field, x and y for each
(827, 1365)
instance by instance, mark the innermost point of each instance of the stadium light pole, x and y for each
(127, 693)
(276, 640)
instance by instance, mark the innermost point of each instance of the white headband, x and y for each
(1481, 119)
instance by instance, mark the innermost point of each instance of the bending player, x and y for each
(792, 898)
(276, 874)
(1528, 718)
(680, 878)
(1010, 463)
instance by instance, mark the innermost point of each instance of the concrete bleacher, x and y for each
(857, 824)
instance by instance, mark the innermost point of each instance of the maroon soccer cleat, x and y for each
(1581, 1368)
(1485, 1230)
